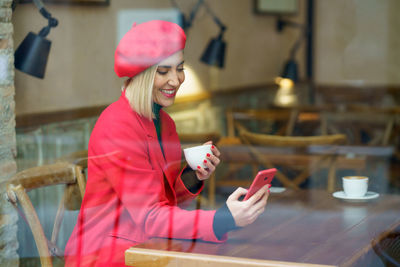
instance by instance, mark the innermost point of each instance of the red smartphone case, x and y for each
(262, 178)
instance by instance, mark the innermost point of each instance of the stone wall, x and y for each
(8, 216)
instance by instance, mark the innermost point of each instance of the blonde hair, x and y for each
(139, 92)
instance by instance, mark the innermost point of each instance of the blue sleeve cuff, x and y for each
(190, 180)
(223, 222)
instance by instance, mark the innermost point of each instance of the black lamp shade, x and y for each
(290, 71)
(215, 53)
(31, 55)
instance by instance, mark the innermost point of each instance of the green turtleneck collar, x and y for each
(156, 110)
(157, 122)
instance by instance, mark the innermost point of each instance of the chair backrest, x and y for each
(279, 121)
(283, 121)
(362, 126)
(291, 141)
(79, 158)
(39, 177)
(295, 160)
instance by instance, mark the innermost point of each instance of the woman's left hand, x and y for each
(211, 164)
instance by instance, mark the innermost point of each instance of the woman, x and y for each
(136, 188)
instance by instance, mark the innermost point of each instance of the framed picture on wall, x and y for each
(71, 2)
(276, 7)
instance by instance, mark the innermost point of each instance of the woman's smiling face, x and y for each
(169, 77)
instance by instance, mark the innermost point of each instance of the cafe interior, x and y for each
(309, 87)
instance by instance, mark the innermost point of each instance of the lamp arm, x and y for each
(52, 22)
(215, 18)
(282, 23)
(193, 13)
(297, 44)
(304, 31)
(39, 4)
(188, 23)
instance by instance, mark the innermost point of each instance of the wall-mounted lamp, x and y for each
(290, 70)
(286, 95)
(215, 51)
(31, 55)
(289, 76)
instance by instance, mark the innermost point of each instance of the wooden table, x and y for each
(236, 155)
(298, 228)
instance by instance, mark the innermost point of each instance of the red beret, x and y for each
(147, 44)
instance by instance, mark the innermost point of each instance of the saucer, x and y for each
(275, 189)
(367, 196)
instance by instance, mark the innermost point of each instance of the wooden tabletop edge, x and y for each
(142, 257)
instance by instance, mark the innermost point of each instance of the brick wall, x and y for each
(8, 216)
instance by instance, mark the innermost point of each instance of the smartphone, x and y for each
(262, 178)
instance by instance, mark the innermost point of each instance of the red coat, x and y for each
(133, 193)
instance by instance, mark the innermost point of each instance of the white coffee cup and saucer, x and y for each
(355, 188)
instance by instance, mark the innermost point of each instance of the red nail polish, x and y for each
(208, 155)
(212, 147)
(269, 185)
(198, 167)
(205, 161)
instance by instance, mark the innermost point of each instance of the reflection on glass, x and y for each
(307, 224)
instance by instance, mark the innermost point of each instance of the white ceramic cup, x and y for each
(355, 186)
(196, 155)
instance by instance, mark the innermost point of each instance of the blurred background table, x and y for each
(238, 165)
(298, 227)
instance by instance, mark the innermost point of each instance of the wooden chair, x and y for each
(79, 158)
(278, 121)
(284, 121)
(349, 95)
(362, 126)
(387, 247)
(39, 177)
(261, 148)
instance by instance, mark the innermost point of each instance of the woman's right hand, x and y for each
(247, 211)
